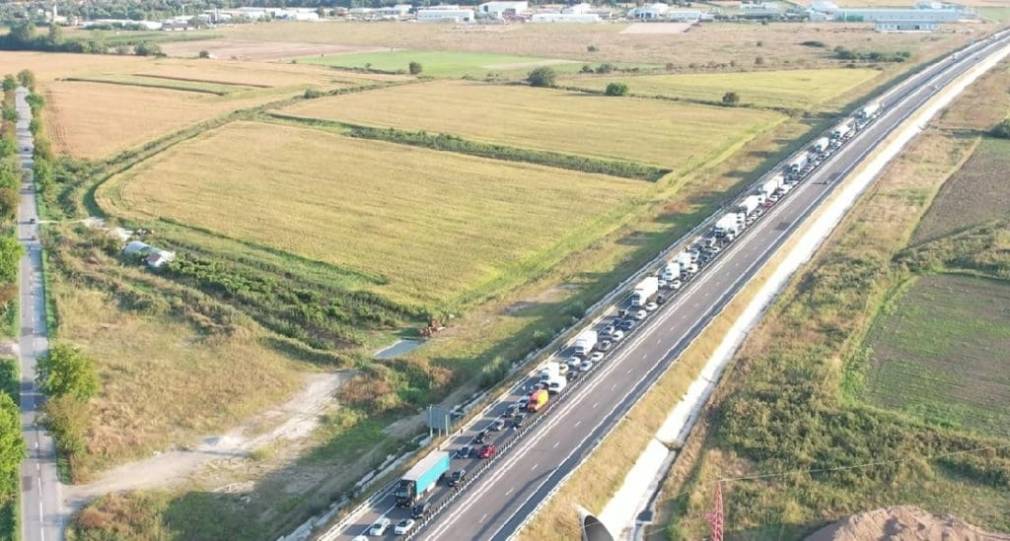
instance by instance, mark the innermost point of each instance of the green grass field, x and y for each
(442, 228)
(941, 353)
(672, 135)
(977, 193)
(436, 63)
(793, 89)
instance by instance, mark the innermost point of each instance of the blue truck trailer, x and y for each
(421, 478)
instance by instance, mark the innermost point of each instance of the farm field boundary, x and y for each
(451, 143)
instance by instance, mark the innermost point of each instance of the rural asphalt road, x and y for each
(496, 504)
(42, 515)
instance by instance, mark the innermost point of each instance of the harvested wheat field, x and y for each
(793, 89)
(440, 227)
(665, 134)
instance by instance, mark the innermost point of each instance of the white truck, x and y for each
(821, 145)
(869, 111)
(585, 342)
(644, 290)
(843, 130)
(671, 271)
(550, 370)
(729, 226)
(556, 384)
(750, 204)
(772, 185)
(796, 165)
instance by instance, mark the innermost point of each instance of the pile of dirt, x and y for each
(903, 523)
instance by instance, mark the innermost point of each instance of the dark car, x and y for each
(605, 345)
(511, 409)
(456, 478)
(660, 299)
(517, 421)
(627, 324)
(420, 509)
(480, 437)
(487, 451)
(496, 425)
(463, 452)
(622, 313)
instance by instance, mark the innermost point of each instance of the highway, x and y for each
(41, 512)
(535, 458)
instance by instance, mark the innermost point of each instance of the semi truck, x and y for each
(750, 204)
(671, 271)
(585, 342)
(421, 478)
(644, 290)
(537, 401)
(772, 185)
(796, 165)
(728, 226)
(869, 111)
(550, 371)
(685, 258)
(842, 130)
(821, 145)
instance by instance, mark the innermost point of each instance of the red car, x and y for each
(487, 451)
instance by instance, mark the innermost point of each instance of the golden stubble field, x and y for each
(810, 89)
(672, 135)
(442, 227)
(99, 105)
(776, 43)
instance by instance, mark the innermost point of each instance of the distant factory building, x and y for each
(565, 18)
(445, 14)
(924, 16)
(502, 9)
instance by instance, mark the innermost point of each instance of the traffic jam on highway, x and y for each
(437, 479)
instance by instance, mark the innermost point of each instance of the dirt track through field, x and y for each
(291, 421)
(259, 50)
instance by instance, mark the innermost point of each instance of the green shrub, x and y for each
(542, 77)
(616, 89)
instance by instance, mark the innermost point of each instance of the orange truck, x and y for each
(537, 401)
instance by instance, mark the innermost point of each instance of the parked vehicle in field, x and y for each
(421, 478)
(379, 527)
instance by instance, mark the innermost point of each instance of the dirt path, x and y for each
(291, 421)
(902, 523)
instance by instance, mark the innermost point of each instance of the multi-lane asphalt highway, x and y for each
(497, 502)
(41, 513)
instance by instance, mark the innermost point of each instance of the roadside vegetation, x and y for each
(12, 449)
(844, 399)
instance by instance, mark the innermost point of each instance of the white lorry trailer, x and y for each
(796, 165)
(772, 185)
(585, 342)
(749, 204)
(729, 226)
(644, 290)
(671, 271)
(869, 111)
(821, 145)
(843, 130)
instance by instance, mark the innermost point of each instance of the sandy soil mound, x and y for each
(903, 523)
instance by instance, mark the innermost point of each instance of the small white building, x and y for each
(445, 14)
(649, 12)
(501, 9)
(565, 18)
